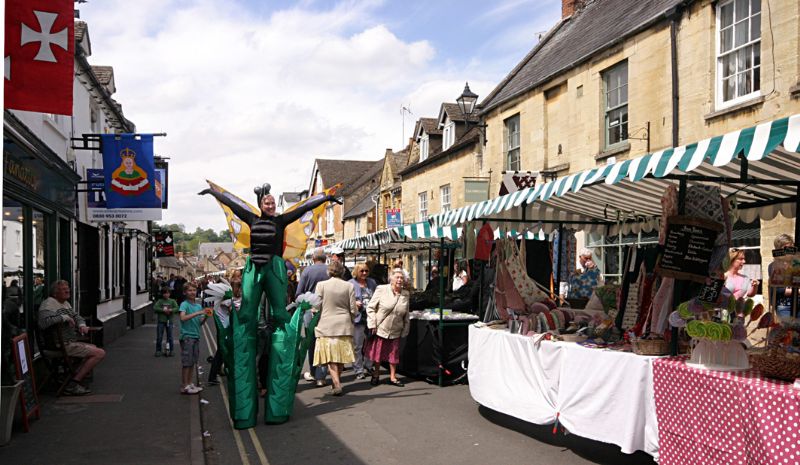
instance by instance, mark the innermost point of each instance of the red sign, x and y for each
(39, 55)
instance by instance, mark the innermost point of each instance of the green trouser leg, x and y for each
(280, 395)
(242, 382)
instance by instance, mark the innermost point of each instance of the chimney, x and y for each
(570, 7)
(388, 153)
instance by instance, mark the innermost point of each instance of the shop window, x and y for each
(141, 265)
(608, 252)
(738, 51)
(615, 82)
(13, 264)
(511, 129)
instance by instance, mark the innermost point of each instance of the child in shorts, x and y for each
(192, 316)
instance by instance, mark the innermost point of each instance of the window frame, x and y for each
(512, 146)
(719, 55)
(445, 201)
(358, 226)
(423, 205)
(424, 146)
(329, 221)
(607, 110)
(448, 134)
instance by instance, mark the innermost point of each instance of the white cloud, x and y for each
(247, 99)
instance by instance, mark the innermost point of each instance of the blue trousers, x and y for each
(164, 326)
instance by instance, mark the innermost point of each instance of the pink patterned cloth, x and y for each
(669, 207)
(714, 418)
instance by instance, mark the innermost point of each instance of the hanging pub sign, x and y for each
(394, 219)
(130, 180)
(164, 244)
(688, 248)
(96, 203)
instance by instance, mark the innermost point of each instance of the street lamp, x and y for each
(466, 101)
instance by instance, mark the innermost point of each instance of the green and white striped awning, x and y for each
(419, 236)
(629, 192)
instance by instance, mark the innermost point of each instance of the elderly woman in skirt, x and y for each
(388, 320)
(334, 331)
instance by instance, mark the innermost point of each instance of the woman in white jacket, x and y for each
(388, 320)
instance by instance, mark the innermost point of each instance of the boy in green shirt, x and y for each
(165, 309)
(192, 316)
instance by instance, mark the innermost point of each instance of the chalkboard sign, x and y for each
(28, 399)
(688, 248)
(711, 291)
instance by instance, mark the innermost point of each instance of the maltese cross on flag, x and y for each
(39, 55)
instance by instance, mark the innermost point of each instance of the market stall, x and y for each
(690, 196)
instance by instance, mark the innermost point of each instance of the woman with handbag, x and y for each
(364, 288)
(388, 320)
(334, 331)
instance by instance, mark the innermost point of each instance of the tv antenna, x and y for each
(403, 110)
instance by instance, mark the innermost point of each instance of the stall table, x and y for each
(716, 418)
(598, 394)
(428, 343)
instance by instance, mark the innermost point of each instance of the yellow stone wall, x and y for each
(464, 163)
(568, 110)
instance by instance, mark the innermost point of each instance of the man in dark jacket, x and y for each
(309, 279)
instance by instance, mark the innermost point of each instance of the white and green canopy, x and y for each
(628, 193)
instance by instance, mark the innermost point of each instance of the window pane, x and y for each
(755, 27)
(613, 99)
(742, 9)
(756, 55)
(728, 65)
(741, 84)
(726, 39)
(623, 94)
(757, 78)
(726, 15)
(39, 244)
(755, 6)
(742, 56)
(741, 33)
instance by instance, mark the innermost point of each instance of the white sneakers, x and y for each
(191, 389)
(307, 376)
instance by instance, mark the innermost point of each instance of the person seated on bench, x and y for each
(56, 312)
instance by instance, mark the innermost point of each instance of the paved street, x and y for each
(385, 425)
(136, 416)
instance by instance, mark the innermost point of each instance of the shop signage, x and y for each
(130, 179)
(20, 172)
(476, 191)
(688, 248)
(164, 244)
(38, 175)
(394, 219)
(96, 203)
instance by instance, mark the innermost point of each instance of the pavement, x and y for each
(136, 416)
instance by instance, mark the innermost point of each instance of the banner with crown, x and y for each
(129, 171)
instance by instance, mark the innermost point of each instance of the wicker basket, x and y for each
(574, 337)
(777, 364)
(650, 346)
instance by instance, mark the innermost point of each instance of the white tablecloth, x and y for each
(598, 394)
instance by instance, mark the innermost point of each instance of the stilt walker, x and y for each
(264, 272)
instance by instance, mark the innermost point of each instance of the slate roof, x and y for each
(365, 205)
(169, 262)
(209, 249)
(455, 114)
(341, 171)
(429, 125)
(399, 161)
(104, 74)
(470, 137)
(598, 26)
(373, 173)
(292, 197)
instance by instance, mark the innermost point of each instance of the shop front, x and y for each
(38, 223)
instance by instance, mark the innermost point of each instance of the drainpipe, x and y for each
(674, 15)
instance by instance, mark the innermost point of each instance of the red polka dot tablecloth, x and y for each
(715, 418)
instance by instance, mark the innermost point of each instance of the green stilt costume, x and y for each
(264, 272)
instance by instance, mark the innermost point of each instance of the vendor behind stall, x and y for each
(583, 282)
(739, 284)
(783, 295)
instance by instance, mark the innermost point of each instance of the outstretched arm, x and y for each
(294, 215)
(239, 210)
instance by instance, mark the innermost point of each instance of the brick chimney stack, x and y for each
(569, 7)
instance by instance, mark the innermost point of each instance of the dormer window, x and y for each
(449, 134)
(424, 146)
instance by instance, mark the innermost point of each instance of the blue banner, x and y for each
(130, 180)
(394, 219)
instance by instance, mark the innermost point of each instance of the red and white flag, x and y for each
(39, 55)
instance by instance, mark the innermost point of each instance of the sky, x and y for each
(253, 91)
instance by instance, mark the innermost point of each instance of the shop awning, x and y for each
(762, 182)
